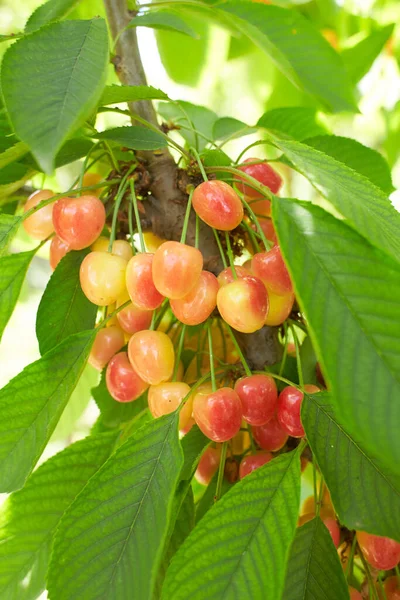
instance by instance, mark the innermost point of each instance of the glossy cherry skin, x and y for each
(198, 304)
(108, 342)
(270, 436)
(243, 304)
(382, 553)
(264, 174)
(102, 277)
(226, 276)
(288, 411)
(39, 225)
(271, 269)
(354, 594)
(332, 526)
(218, 205)
(164, 398)
(152, 356)
(218, 414)
(123, 383)
(176, 269)
(392, 588)
(208, 465)
(79, 221)
(58, 249)
(132, 318)
(252, 462)
(259, 397)
(279, 309)
(119, 248)
(140, 284)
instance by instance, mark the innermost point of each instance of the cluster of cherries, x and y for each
(138, 351)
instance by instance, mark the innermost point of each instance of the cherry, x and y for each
(91, 179)
(164, 398)
(123, 383)
(332, 526)
(140, 284)
(108, 342)
(132, 318)
(241, 442)
(243, 304)
(280, 308)
(259, 397)
(208, 465)
(152, 241)
(152, 356)
(382, 553)
(218, 414)
(264, 174)
(226, 276)
(392, 588)
(39, 225)
(198, 304)
(218, 205)
(326, 508)
(79, 221)
(270, 436)
(102, 277)
(354, 594)
(176, 269)
(261, 208)
(289, 407)
(268, 228)
(271, 269)
(58, 249)
(119, 248)
(252, 462)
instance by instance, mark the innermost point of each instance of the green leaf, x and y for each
(227, 127)
(308, 361)
(135, 137)
(284, 34)
(30, 516)
(349, 293)
(365, 206)
(64, 308)
(13, 153)
(163, 19)
(51, 81)
(364, 493)
(13, 172)
(72, 150)
(109, 543)
(8, 228)
(364, 160)
(217, 158)
(32, 403)
(13, 269)
(359, 58)
(114, 413)
(314, 569)
(193, 445)
(208, 498)
(239, 548)
(298, 122)
(50, 11)
(114, 94)
(197, 122)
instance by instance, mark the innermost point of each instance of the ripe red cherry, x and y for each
(332, 526)
(252, 462)
(271, 269)
(280, 308)
(218, 205)
(102, 277)
(354, 594)
(58, 249)
(79, 221)
(176, 269)
(39, 225)
(382, 553)
(218, 414)
(268, 228)
(164, 398)
(270, 436)
(132, 318)
(208, 465)
(392, 588)
(198, 304)
(226, 276)
(123, 383)
(140, 284)
(264, 174)
(243, 304)
(259, 397)
(108, 342)
(152, 356)
(288, 411)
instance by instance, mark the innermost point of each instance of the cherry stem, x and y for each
(321, 494)
(239, 351)
(262, 235)
(163, 309)
(130, 225)
(263, 189)
(85, 163)
(223, 340)
(187, 216)
(197, 232)
(221, 251)
(384, 596)
(221, 470)
(315, 484)
(372, 589)
(349, 566)
(257, 143)
(298, 358)
(118, 200)
(211, 354)
(137, 216)
(230, 255)
(283, 361)
(111, 315)
(179, 353)
(397, 569)
(201, 166)
(252, 236)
